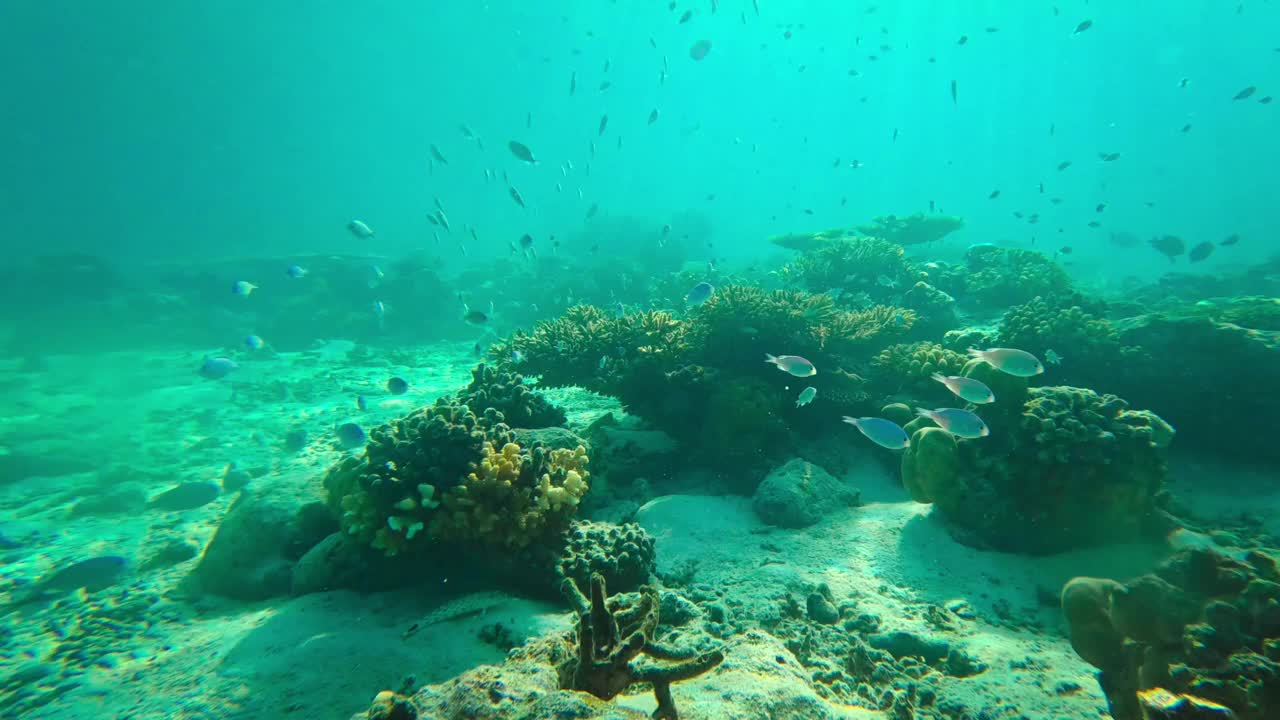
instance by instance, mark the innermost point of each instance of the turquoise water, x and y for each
(157, 156)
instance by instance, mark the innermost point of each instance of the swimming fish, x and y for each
(953, 92)
(474, 317)
(653, 116)
(187, 496)
(359, 229)
(522, 152)
(243, 288)
(1064, 165)
(882, 432)
(1230, 240)
(397, 386)
(439, 156)
(806, 396)
(685, 17)
(216, 368)
(604, 123)
(1052, 357)
(362, 403)
(1084, 25)
(296, 271)
(966, 388)
(793, 365)
(699, 294)
(960, 423)
(1171, 246)
(699, 49)
(1019, 363)
(93, 574)
(1200, 251)
(515, 195)
(351, 436)
(253, 342)
(1247, 92)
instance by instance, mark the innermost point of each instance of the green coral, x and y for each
(1087, 342)
(913, 229)
(739, 324)
(506, 392)
(937, 309)
(1201, 624)
(908, 367)
(1063, 468)
(999, 277)
(867, 265)
(443, 472)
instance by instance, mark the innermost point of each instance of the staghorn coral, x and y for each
(506, 392)
(610, 639)
(740, 323)
(907, 367)
(591, 348)
(1063, 468)
(442, 472)
(999, 277)
(1201, 624)
(853, 265)
(913, 229)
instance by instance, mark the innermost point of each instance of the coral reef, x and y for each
(1074, 328)
(1202, 624)
(1203, 376)
(623, 555)
(610, 639)
(799, 493)
(906, 368)
(999, 277)
(1064, 468)
(443, 472)
(507, 393)
(914, 229)
(807, 241)
(868, 265)
(936, 309)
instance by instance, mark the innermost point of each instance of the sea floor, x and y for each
(111, 429)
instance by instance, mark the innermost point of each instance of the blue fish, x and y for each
(216, 368)
(699, 294)
(296, 271)
(351, 436)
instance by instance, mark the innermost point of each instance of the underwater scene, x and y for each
(625, 359)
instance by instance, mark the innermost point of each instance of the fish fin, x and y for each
(770, 359)
(921, 412)
(851, 420)
(938, 377)
(976, 353)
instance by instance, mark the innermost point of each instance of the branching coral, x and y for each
(853, 265)
(912, 229)
(610, 640)
(1064, 468)
(1201, 624)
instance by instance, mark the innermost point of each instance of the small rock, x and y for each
(902, 644)
(821, 610)
(390, 706)
(799, 494)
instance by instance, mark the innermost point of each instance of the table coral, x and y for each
(914, 229)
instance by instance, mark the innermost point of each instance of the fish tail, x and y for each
(770, 359)
(921, 412)
(977, 354)
(938, 377)
(851, 420)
